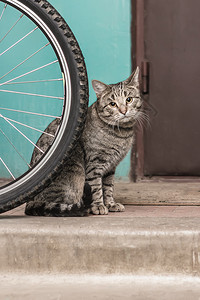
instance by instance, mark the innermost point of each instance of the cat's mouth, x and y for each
(128, 117)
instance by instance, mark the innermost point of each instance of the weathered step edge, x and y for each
(100, 245)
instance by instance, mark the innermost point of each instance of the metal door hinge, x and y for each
(145, 77)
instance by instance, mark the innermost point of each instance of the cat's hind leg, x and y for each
(63, 197)
(54, 209)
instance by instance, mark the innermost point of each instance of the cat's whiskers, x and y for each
(142, 119)
(116, 122)
(112, 124)
(139, 123)
(149, 108)
(118, 127)
(145, 119)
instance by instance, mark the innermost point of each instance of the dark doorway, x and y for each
(166, 34)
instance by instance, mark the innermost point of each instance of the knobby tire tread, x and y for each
(82, 74)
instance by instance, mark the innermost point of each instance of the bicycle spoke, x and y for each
(12, 27)
(44, 66)
(24, 60)
(3, 11)
(7, 168)
(35, 81)
(31, 94)
(15, 148)
(25, 125)
(19, 41)
(30, 112)
(21, 133)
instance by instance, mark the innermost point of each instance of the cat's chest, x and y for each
(106, 149)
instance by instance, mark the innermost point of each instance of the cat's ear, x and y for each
(133, 79)
(99, 87)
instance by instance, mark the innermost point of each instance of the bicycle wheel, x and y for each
(42, 78)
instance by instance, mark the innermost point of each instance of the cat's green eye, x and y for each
(113, 104)
(129, 100)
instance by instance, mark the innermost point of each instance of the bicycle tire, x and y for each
(26, 187)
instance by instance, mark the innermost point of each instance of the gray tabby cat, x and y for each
(88, 175)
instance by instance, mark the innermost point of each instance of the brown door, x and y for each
(170, 33)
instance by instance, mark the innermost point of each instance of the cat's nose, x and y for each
(123, 110)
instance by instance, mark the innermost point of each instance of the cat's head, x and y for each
(119, 104)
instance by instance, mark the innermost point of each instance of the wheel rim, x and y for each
(14, 124)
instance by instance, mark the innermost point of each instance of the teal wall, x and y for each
(102, 28)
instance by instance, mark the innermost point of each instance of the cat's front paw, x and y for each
(99, 210)
(117, 207)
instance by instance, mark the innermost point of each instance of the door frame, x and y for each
(137, 57)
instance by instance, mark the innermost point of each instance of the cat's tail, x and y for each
(55, 209)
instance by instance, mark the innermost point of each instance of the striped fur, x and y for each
(87, 178)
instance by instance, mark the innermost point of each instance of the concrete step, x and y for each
(113, 244)
(172, 192)
(57, 287)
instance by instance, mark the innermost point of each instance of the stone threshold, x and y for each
(158, 193)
